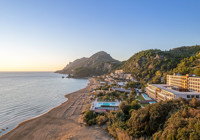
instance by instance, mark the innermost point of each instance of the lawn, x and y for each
(140, 98)
(144, 105)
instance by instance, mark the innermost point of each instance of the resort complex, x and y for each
(177, 85)
(112, 90)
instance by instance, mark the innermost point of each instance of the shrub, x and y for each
(101, 120)
(91, 122)
(122, 134)
(125, 108)
(135, 105)
(194, 103)
(89, 117)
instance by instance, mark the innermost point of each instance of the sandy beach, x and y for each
(61, 123)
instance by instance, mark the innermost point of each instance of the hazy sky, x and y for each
(44, 35)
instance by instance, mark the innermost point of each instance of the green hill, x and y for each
(150, 65)
(146, 66)
(189, 65)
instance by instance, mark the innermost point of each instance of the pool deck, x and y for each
(146, 97)
(95, 105)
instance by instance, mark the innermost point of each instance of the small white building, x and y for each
(118, 72)
(102, 84)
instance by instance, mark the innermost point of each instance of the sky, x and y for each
(45, 35)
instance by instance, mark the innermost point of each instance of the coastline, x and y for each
(53, 124)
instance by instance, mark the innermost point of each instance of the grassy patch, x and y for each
(144, 105)
(140, 98)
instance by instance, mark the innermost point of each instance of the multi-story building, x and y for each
(194, 84)
(177, 86)
(178, 81)
(187, 83)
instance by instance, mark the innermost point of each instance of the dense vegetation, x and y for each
(112, 96)
(173, 120)
(190, 65)
(159, 119)
(151, 65)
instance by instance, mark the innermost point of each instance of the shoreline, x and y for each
(55, 117)
(34, 117)
(35, 108)
(21, 123)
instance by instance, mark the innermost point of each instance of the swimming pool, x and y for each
(152, 102)
(105, 104)
(146, 97)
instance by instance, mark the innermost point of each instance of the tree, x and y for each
(135, 105)
(89, 117)
(158, 73)
(185, 113)
(130, 99)
(122, 105)
(192, 58)
(106, 98)
(101, 120)
(194, 103)
(197, 71)
(131, 84)
(125, 108)
(142, 88)
(132, 93)
(156, 80)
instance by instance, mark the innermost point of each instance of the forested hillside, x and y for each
(145, 66)
(150, 65)
(173, 120)
(189, 65)
(165, 120)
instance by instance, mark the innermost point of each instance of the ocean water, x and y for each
(24, 95)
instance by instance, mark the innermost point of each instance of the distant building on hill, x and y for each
(118, 72)
(128, 77)
(187, 87)
(102, 84)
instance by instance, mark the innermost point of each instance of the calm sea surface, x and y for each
(29, 94)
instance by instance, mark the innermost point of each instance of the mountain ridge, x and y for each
(150, 65)
(97, 64)
(147, 65)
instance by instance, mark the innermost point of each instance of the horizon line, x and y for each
(27, 71)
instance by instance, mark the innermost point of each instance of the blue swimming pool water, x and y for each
(146, 97)
(107, 104)
(152, 102)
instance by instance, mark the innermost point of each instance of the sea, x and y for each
(24, 95)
